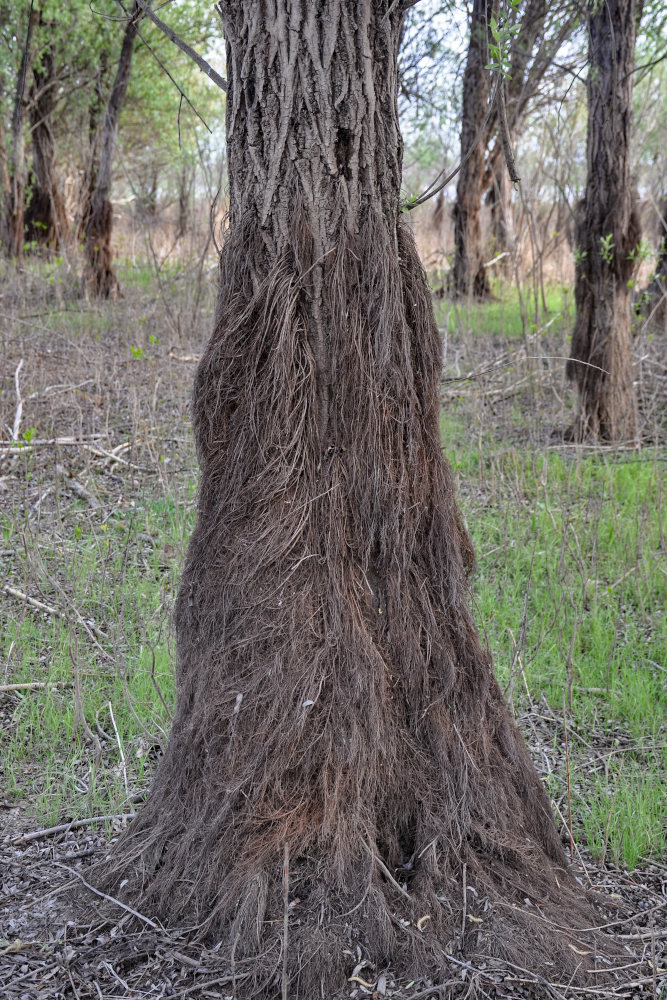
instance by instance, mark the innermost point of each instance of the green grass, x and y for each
(570, 593)
(120, 578)
(508, 315)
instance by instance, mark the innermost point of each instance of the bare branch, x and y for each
(183, 46)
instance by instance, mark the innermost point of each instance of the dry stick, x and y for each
(569, 666)
(465, 903)
(569, 792)
(33, 602)
(76, 487)
(183, 46)
(21, 447)
(285, 918)
(76, 824)
(30, 686)
(110, 899)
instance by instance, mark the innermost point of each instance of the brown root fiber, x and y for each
(333, 694)
(332, 691)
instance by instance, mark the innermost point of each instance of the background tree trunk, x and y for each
(333, 694)
(95, 117)
(99, 276)
(654, 298)
(607, 231)
(482, 174)
(13, 236)
(468, 275)
(45, 216)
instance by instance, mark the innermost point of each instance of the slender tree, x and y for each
(45, 216)
(99, 276)
(91, 165)
(14, 206)
(607, 234)
(468, 275)
(342, 766)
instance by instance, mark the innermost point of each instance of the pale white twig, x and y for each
(19, 403)
(76, 824)
(120, 746)
(32, 601)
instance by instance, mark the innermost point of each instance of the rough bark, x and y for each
(45, 216)
(607, 231)
(99, 276)
(468, 274)
(333, 693)
(13, 216)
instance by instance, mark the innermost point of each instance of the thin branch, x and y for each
(433, 190)
(110, 899)
(183, 46)
(184, 96)
(505, 135)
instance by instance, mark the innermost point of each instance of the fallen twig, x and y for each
(30, 686)
(110, 899)
(184, 357)
(66, 442)
(75, 824)
(120, 747)
(33, 602)
(76, 487)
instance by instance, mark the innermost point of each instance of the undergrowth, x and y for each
(570, 589)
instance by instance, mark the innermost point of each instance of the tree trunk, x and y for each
(45, 217)
(607, 232)
(99, 276)
(334, 699)
(468, 275)
(95, 113)
(12, 235)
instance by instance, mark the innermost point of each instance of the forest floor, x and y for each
(97, 490)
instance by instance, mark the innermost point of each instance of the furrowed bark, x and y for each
(607, 233)
(333, 694)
